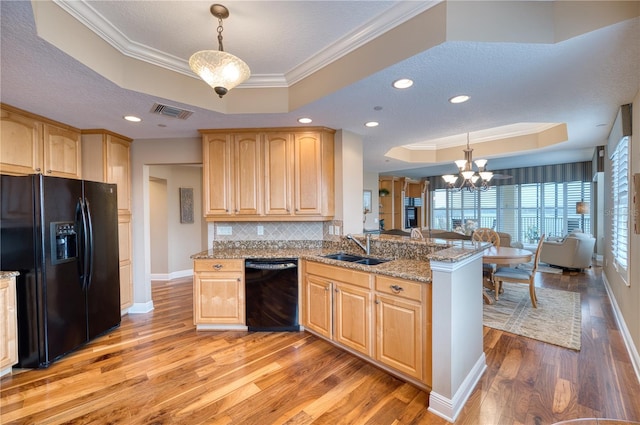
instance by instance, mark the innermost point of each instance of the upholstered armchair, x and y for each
(573, 252)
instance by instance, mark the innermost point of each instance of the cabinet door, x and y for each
(219, 298)
(124, 245)
(8, 324)
(217, 174)
(399, 335)
(119, 170)
(317, 305)
(278, 168)
(62, 154)
(308, 174)
(21, 146)
(248, 174)
(353, 317)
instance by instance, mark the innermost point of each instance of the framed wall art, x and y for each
(186, 205)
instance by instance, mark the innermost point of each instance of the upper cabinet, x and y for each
(32, 144)
(106, 158)
(277, 174)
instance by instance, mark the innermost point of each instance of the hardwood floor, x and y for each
(156, 369)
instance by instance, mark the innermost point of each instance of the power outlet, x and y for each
(336, 230)
(331, 229)
(224, 230)
(260, 230)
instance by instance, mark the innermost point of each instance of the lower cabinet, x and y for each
(385, 320)
(218, 294)
(8, 325)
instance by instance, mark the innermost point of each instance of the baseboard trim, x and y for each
(141, 308)
(172, 275)
(626, 336)
(449, 409)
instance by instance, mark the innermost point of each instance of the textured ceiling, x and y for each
(579, 80)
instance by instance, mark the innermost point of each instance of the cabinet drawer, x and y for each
(217, 265)
(341, 274)
(399, 287)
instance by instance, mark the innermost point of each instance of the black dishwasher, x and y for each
(271, 287)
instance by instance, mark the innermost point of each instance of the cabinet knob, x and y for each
(377, 302)
(48, 171)
(396, 288)
(37, 169)
(217, 266)
(336, 290)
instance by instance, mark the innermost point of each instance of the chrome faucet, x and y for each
(367, 248)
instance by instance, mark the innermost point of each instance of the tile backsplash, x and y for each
(266, 231)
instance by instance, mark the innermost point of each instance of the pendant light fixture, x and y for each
(221, 70)
(470, 180)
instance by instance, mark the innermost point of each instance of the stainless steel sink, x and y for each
(355, 259)
(344, 257)
(371, 261)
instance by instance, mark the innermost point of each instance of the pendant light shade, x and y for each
(221, 70)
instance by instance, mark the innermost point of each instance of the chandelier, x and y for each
(470, 180)
(221, 70)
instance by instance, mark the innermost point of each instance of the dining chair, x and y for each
(512, 274)
(486, 234)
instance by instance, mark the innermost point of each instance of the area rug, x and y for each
(557, 320)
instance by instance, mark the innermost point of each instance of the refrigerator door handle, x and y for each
(89, 250)
(83, 263)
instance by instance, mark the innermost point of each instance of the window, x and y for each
(620, 207)
(525, 211)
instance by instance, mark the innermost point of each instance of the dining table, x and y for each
(501, 256)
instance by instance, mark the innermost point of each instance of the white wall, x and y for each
(349, 181)
(181, 240)
(159, 223)
(626, 297)
(371, 183)
(146, 152)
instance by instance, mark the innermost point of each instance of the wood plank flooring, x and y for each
(157, 369)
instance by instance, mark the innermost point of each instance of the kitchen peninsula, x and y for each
(435, 300)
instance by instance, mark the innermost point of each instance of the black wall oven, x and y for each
(271, 287)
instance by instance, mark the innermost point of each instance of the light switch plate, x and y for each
(336, 230)
(260, 230)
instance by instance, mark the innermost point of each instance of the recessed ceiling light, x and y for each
(371, 124)
(459, 99)
(132, 118)
(403, 83)
(304, 120)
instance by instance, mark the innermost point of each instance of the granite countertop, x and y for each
(7, 275)
(417, 270)
(398, 250)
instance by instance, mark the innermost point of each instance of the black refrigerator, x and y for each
(62, 236)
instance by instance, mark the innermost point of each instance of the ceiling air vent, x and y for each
(170, 111)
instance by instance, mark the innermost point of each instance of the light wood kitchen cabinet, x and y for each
(386, 320)
(317, 305)
(349, 308)
(218, 294)
(106, 158)
(217, 175)
(352, 307)
(232, 173)
(32, 144)
(8, 325)
(268, 174)
(278, 170)
(403, 329)
(313, 173)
